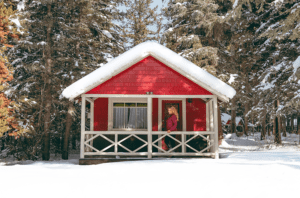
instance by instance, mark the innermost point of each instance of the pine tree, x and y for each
(274, 42)
(190, 23)
(62, 42)
(238, 58)
(8, 123)
(138, 19)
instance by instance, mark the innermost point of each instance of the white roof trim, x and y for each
(161, 53)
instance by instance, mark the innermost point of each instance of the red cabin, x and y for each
(133, 91)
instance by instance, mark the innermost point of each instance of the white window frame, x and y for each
(122, 100)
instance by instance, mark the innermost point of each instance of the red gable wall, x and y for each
(195, 115)
(149, 74)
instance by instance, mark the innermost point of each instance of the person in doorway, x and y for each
(170, 125)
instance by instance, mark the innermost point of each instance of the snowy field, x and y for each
(268, 172)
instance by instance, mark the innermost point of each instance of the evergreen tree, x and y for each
(190, 23)
(138, 19)
(8, 123)
(272, 35)
(62, 42)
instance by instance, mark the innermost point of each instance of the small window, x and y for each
(130, 115)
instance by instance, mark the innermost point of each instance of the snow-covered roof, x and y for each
(225, 117)
(161, 53)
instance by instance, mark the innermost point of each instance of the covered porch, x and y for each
(117, 143)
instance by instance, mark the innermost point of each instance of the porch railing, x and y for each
(143, 143)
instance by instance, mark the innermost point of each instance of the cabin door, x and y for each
(165, 105)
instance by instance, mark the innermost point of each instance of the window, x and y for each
(129, 115)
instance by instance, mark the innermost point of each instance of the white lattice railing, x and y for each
(148, 144)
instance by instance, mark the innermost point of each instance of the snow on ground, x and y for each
(244, 174)
(252, 142)
(268, 172)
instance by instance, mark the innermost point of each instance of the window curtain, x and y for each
(130, 118)
(133, 118)
(118, 118)
(142, 118)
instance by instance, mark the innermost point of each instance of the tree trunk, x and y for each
(253, 127)
(263, 129)
(246, 119)
(65, 153)
(46, 145)
(220, 131)
(287, 124)
(292, 123)
(283, 126)
(298, 123)
(233, 115)
(276, 124)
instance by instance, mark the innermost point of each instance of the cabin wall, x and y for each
(195, 115)
(148, 75)
(101, 114)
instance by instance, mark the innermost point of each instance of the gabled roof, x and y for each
(161, 53)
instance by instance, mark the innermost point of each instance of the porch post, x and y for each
(207, 116)
(211, 116)
(211, 122)
(216, 142)
(82, 126)
(92, 122)
(149, 126)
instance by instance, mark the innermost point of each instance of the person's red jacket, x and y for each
(172, 123)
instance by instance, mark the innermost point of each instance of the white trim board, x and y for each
(145, 96)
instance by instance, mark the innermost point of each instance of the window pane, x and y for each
(130, 104)
(130, 118)
(118, 118)
(118, 104)
(142, 104)
(141, 118)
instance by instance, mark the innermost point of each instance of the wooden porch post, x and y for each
(216, 142)
(207, 116)
(82, 126)
(149, 126)
(211, 121)
(92, 122)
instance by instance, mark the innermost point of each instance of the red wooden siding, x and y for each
(149, 74)
(195, 115)
(101, 114)
(154, 114)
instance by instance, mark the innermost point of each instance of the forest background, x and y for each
(46, 45)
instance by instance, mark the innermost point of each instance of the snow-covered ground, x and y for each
(268, 172)
(252, 142)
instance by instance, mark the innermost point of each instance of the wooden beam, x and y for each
(216, 145)
(149, 126)
(82, 126)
